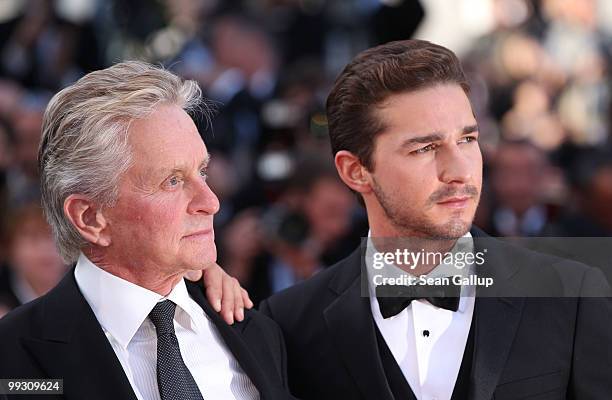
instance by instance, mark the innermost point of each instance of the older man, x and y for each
(123, 176)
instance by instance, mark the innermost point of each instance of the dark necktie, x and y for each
(392, 299)
(174, 380)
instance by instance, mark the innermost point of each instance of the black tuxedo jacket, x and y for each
(58, 336)
(8, 298)
(524, 348)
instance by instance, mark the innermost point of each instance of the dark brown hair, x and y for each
(373, 76)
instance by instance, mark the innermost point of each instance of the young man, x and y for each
(404, 138)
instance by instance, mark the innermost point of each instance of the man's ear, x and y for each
(352, 172)
(88, 219)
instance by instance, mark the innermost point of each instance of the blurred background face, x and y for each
(328, 207)
(32, 252)
(163, 219)
(27, 128)
(599, 197)
(517, 174)
(427, 165)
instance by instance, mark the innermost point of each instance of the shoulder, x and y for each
(21, 321)
(21, 324)
(265, 329)
(540, 268)
(263, 322)
(532, 253)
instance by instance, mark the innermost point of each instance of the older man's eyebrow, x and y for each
(206, 161)
(181, 168)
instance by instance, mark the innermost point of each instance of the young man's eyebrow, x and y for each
(436, 136)
(431, 137)
(469, 129)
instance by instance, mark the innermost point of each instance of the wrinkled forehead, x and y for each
(167, 138)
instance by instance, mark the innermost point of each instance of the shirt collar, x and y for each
(122, 306)
(464, 244)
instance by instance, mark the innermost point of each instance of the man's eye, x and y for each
(203, 174)
(469, 139)
(174, 181)
(425, 149)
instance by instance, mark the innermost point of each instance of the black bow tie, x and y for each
(392, 299)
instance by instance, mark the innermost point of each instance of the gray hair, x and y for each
(84, 147)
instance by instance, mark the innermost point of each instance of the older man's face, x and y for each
(163, 218)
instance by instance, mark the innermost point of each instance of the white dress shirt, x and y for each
(122, 309)
(427, 342)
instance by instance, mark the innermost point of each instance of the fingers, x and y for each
(194, 275)
(225, 294)
(227, 299)
(213, 281)
(246, 299)
(238, 301)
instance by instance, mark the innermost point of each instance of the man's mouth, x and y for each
(199, 234)
(455, 202)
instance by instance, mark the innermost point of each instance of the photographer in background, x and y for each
(310, 226)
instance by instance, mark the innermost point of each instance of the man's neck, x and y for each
(149, 278)
(390, 240)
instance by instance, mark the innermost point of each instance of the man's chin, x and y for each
(195, 269)
(451, 230)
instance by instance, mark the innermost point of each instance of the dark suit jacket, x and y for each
(8, 298)
(58, 336)
(524, 348)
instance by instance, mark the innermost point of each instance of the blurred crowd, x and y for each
(540, 89)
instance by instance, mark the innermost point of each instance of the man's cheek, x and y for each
(476, 158)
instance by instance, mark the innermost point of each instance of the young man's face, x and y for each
(427, 165)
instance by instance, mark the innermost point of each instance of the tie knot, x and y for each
(162, 317)
(392, 299)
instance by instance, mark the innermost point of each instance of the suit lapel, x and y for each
(496, 321)
(351, 326)
(497, 318)
(237, 338)
(73, 347)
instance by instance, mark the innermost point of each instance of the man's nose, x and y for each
(204, 200)
(454, 165)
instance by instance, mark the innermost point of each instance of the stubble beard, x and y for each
(418, 225)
